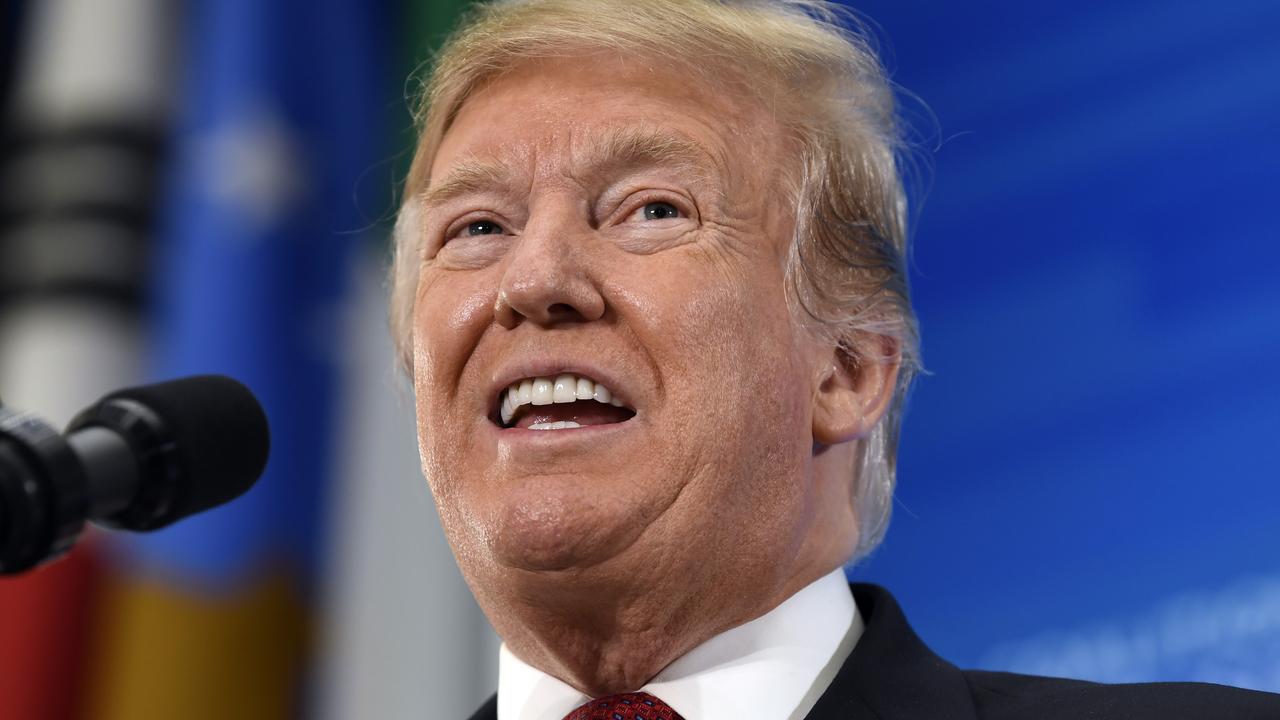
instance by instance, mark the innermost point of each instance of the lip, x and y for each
(524, 451)
(547, 367)
(553, 440)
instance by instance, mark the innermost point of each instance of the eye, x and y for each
(660, 211)
(483, 227)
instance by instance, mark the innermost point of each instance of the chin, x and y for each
(559, 522)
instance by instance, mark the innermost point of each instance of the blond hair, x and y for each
(846, 271)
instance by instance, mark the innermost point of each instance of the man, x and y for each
(650, 288)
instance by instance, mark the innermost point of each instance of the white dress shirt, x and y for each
(775, 666)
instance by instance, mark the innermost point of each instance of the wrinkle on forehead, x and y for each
(598, 155)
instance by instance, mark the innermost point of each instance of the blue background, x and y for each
(1090, 478)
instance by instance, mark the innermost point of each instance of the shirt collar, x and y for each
(775, 666)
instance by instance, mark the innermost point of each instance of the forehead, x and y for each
(604, 154)
(564, 115)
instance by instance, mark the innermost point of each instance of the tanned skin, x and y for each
(618, 217)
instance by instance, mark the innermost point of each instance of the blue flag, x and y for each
(282, 114)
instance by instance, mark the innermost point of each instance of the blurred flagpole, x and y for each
(83, 135)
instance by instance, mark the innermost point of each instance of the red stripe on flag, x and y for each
(45, 633)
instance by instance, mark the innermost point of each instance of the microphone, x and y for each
(139, 459)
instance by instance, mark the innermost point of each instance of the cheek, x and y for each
(739, 425)
(450, 314)
(731, 328)
(730, 357)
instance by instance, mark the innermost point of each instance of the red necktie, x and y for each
(627, 706)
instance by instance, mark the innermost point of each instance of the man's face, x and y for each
(620, 223)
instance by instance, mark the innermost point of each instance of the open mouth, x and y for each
(563, 402)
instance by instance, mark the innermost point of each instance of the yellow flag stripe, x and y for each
(169, 653)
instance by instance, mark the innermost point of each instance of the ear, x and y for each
(854, 389)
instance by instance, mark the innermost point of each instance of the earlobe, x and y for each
(855, 389)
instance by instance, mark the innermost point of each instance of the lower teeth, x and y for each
(560, 425)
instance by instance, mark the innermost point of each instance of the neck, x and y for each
(603, 643)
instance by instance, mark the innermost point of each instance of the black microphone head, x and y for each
(200, 442)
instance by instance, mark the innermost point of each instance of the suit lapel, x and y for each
(891, 674)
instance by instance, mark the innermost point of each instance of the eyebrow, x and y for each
(617, 149)
(469, 177)
(647, 147)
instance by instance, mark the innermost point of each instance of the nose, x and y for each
(548, 280)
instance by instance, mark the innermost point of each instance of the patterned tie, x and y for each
(627, 706)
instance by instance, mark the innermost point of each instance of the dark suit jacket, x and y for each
(891, 675)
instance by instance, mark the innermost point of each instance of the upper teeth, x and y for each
(564, 388)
